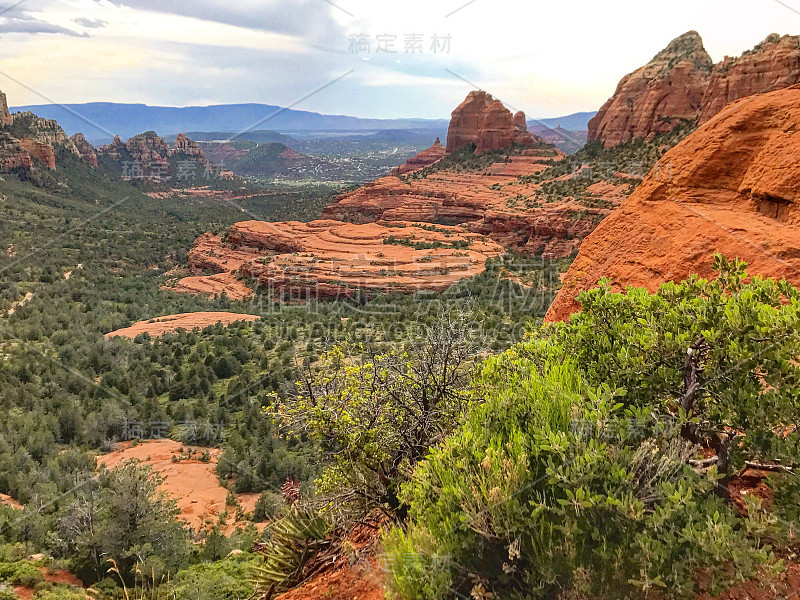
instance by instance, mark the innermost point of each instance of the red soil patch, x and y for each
(59, 576)
(192, 483)
(172, 323)
(361, 582)
(9, 501)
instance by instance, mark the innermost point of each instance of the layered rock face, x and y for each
(5, 116)
(498, 202)
(330, 259)
(681, 83)
(657, 96)
(39, 151)
(422, 160)
(485, 123)
(772, 65)
(85, 149)
(146, 156)
(735, 189)
(28, 140)
(12, 155)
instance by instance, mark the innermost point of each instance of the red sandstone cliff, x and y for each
(735, 190)
(682, 83)
(85, 149)
(42, 152)
(772, 65)
(657, 96)
(5, 116)
(485, 122)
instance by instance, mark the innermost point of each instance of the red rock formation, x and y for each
(40, 151)
(495, 203)
(5, 116)
(484, 122)
(331, 259)
(681, 83)
(149, 150)
(186, 147)
(422, 160)
(655, 97)
(12, 154)
(85, 149)
(113, 150)
(735, 189)
(772, 65)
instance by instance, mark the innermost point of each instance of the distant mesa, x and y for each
(733, 186)
(682, 84)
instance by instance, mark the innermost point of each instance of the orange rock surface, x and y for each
(85, 149)
(671, 85)
(40, 151)
(493, 202)
(423, 159)
(172, 323)
(681, 83)
(735, 189)
(485, 122)
(329, 259)
(192, 483)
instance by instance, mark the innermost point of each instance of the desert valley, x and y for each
(251, 351)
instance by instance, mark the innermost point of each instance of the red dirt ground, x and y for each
(192, 483)
(187, 321)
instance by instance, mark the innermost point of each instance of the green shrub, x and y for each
(20, 573)
(579, 472)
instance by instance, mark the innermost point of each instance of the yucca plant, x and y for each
(297, 546)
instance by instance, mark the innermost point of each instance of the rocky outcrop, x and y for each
(499, 202)
(485, 123)
(85, 149)
(188, 148)
(28, 140)
(12, 155)
(149, 150)
(772, 65)
(331, 259)
(422, 160)
(656, 97)
(114, 150)
(681, 83)
(5, 116)
(735, 189)
(39, 151)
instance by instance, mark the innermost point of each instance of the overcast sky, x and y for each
(370, 58)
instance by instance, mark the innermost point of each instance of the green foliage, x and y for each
(20, 573)
(577, 472)
(227, 579)
(380, 413)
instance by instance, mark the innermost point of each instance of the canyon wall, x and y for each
(735, 189)
(682, 84)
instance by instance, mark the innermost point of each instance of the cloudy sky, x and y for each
(370, 58)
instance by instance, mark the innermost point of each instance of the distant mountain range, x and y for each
(100, 121)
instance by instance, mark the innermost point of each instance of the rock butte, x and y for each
(171, 323)
(485, 123)
(330, 259)
(734, 190)
(682, 83)
(192, 483)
